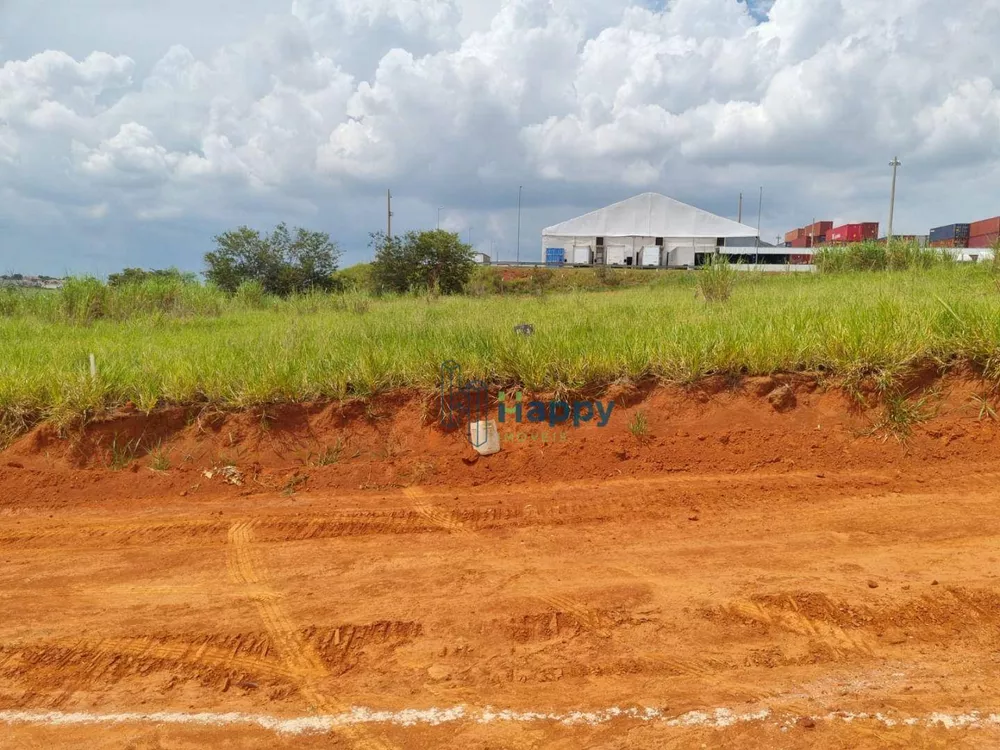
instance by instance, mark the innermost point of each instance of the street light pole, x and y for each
(895, 164)
(760, 205)
(519, 223)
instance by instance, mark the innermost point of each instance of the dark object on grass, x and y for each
(525, 329)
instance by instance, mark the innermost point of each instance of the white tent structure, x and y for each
(648, 230)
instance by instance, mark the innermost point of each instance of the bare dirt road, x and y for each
(848, 600)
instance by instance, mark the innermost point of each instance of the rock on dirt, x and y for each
(873, 584)
(782, 398)
(807, 722)
(439, 672)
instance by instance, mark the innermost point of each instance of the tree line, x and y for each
(292, 261)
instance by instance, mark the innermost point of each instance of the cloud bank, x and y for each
(133, 143)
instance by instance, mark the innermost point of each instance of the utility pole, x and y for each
(439, 216)
(760, 204)
(519, 223)
(388, 211)
(739, 218)
(470, 236)
(895, 164)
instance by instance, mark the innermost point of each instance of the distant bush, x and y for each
(356, 278)
(139, 275)
(485, 280)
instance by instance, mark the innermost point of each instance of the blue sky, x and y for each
(132, 132)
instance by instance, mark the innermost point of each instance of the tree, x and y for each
(283, 262)
(434, 260)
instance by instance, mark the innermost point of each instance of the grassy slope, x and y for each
(845, 323)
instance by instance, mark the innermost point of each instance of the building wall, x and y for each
(677, 251)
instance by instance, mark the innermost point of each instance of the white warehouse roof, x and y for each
(650, 215)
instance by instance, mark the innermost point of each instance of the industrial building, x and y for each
(649, 230)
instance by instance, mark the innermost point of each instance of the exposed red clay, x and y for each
(773, 553)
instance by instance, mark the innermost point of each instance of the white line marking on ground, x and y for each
(719, 718)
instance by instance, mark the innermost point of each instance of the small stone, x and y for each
(873, 584)
(807, 722)
(439, 672)
(934, 583)
(782, 399)
(692, 518)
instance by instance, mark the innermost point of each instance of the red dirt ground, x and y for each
(796, 567)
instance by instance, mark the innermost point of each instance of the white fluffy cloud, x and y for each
(137, 150)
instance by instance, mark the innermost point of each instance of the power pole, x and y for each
(470, 236)
(895, 164)
(388, 211)
(439, 216)
(739, 218)
(519, 223)
(760, 204)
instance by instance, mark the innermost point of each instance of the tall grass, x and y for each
(317, 346)
(898, 255)
(717, 280)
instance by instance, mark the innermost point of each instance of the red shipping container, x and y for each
(799, 259)
(987, 226)
(794, 234)
(853, 232)
(820, 227)
(801, 242)
(984, 240)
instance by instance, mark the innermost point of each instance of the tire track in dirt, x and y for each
(424, 516)
(76, 666)
(246, 568)
(586, 617)
(827, 634)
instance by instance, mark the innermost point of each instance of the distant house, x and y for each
(481, 258)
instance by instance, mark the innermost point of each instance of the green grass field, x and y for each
(236, 353)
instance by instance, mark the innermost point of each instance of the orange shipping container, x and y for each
(794, 234)
(819, 228)
(987, 226)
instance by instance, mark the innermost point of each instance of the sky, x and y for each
(132, 132)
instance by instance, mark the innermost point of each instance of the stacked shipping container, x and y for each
(951, 235)
(984, 233)
(808, 236)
